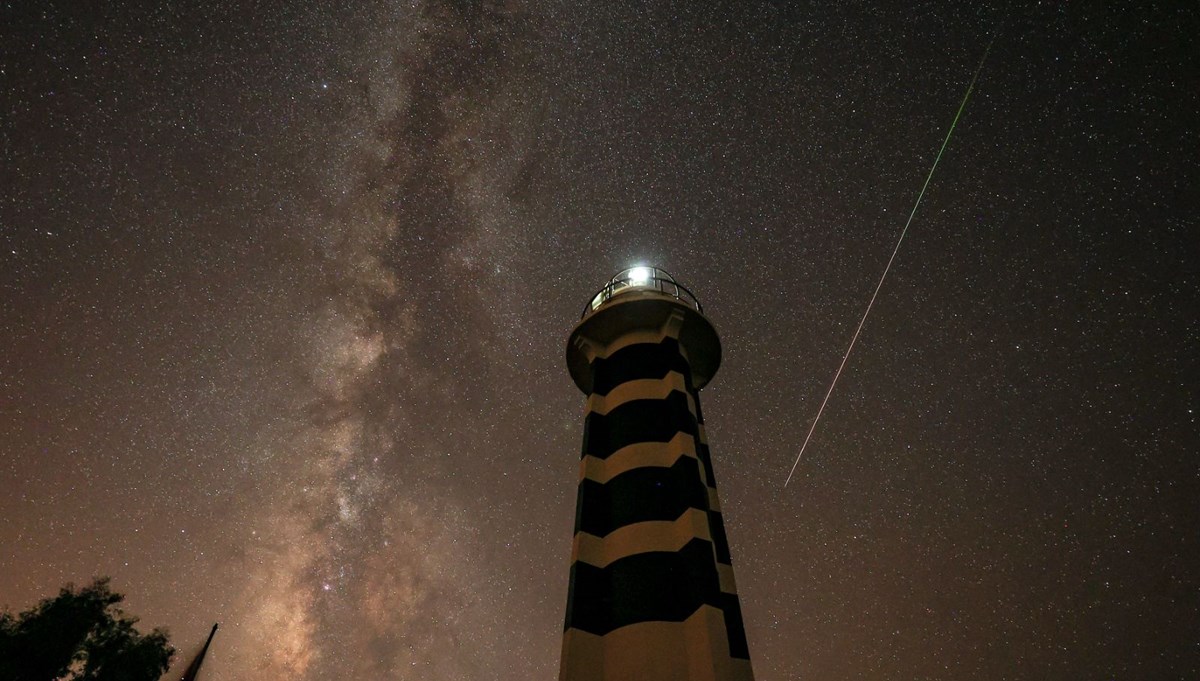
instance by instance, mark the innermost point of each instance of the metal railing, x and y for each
(637, 279)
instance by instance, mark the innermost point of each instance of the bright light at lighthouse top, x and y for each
(648, 301)
(642, 278)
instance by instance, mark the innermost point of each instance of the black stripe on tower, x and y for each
(653, 420)
(705, 457)
(638, 495)
(638, 361)
(660, 586)
(716, 529)
(696, 399)
(735, 627)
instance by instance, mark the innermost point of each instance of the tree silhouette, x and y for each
(80, 636)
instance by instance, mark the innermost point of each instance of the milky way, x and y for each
(285, 294)
(374, 542)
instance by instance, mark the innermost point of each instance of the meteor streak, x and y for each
(892, 259)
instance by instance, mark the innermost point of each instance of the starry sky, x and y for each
(285, 290)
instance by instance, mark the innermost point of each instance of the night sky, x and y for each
(285, 290)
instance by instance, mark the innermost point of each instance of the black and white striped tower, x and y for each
(651, 596)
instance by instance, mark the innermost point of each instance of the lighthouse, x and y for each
(651, 595)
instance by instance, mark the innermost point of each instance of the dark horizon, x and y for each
(286, 292)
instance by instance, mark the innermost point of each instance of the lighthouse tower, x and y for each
(651, 596)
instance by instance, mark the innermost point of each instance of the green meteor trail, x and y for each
(886, 269)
